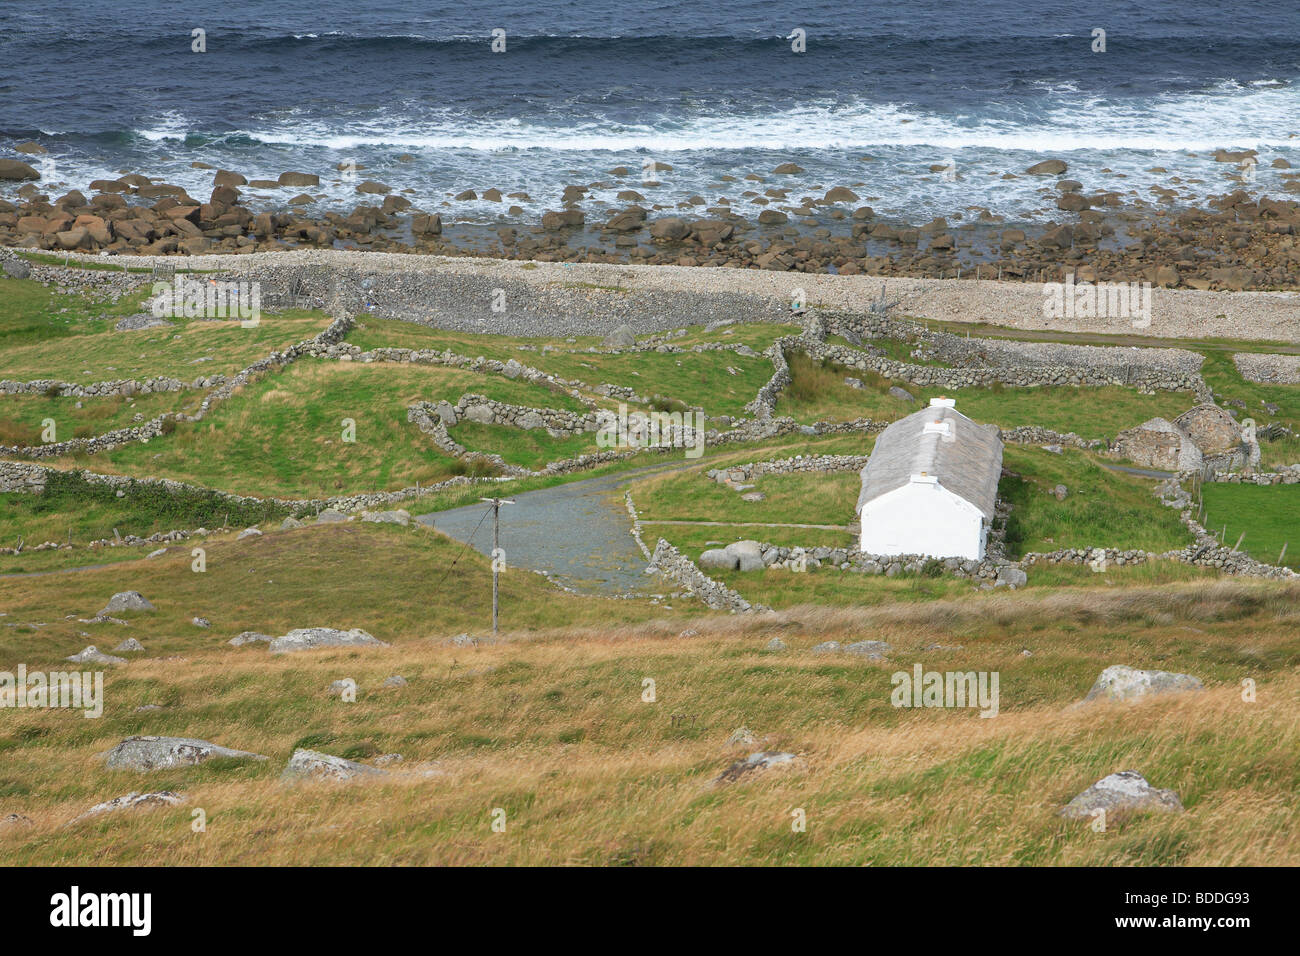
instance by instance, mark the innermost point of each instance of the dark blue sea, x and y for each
(883, 92)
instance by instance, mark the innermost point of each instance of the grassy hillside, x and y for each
(552, 729)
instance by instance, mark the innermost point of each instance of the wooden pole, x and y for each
(496, 548)
(1283, 554)
(1237, 546)
(496, 545)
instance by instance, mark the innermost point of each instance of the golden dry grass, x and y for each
(551, 728)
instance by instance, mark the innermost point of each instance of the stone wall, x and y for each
(124, 387)
(675, 566)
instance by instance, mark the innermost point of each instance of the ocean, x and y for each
(883, 93)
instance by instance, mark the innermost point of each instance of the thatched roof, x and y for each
(969, 465)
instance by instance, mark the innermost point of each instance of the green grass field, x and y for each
(1269, 515)
(818, 393)
(23, 417)
(1102, 508)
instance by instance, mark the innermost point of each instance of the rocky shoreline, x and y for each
(1238, 242)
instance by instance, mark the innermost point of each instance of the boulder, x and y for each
(1121, 794)
(311, 638)
(248, 533)
(401, 516)
(330, 516)
(775, 644)
(126, 601)
(1120, 682)
(130, 644)
(14, 171)
(763, 760)
(1011, 577)
(827, 647)
(786, 169)
(720, 559)
(293, 180)
(671, 228)
(163, 753)
(1048, 167)
(249, 637)
(621, 338)
(92, 655)
(872, 650)
(902, 394)
(313, 765)
(134, 801)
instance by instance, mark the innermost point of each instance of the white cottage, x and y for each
(930, 485)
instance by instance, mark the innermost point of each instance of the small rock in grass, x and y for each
(395, 681)
(249, 637)
(134, 801)
(763, 760)
(742, 737)
(1119, 682)
(310, 764)
(130, 644)
(873, 650)
(1120, 794)
(248, 533)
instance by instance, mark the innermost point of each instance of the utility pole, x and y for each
(497, 555)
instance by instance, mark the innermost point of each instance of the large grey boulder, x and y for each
(126, 601)
(310, 638)
(330, 516)
(400, 516)
(130, 644)
(93, 655)
(901, 394)
(134, 801)
(719, 558)
(1011, 577)
(313, 765)
(1119, 682)
(748, 555)
(1121, 793)
(163, 753)
(621, 338)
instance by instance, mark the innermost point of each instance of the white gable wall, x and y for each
(923, 518)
